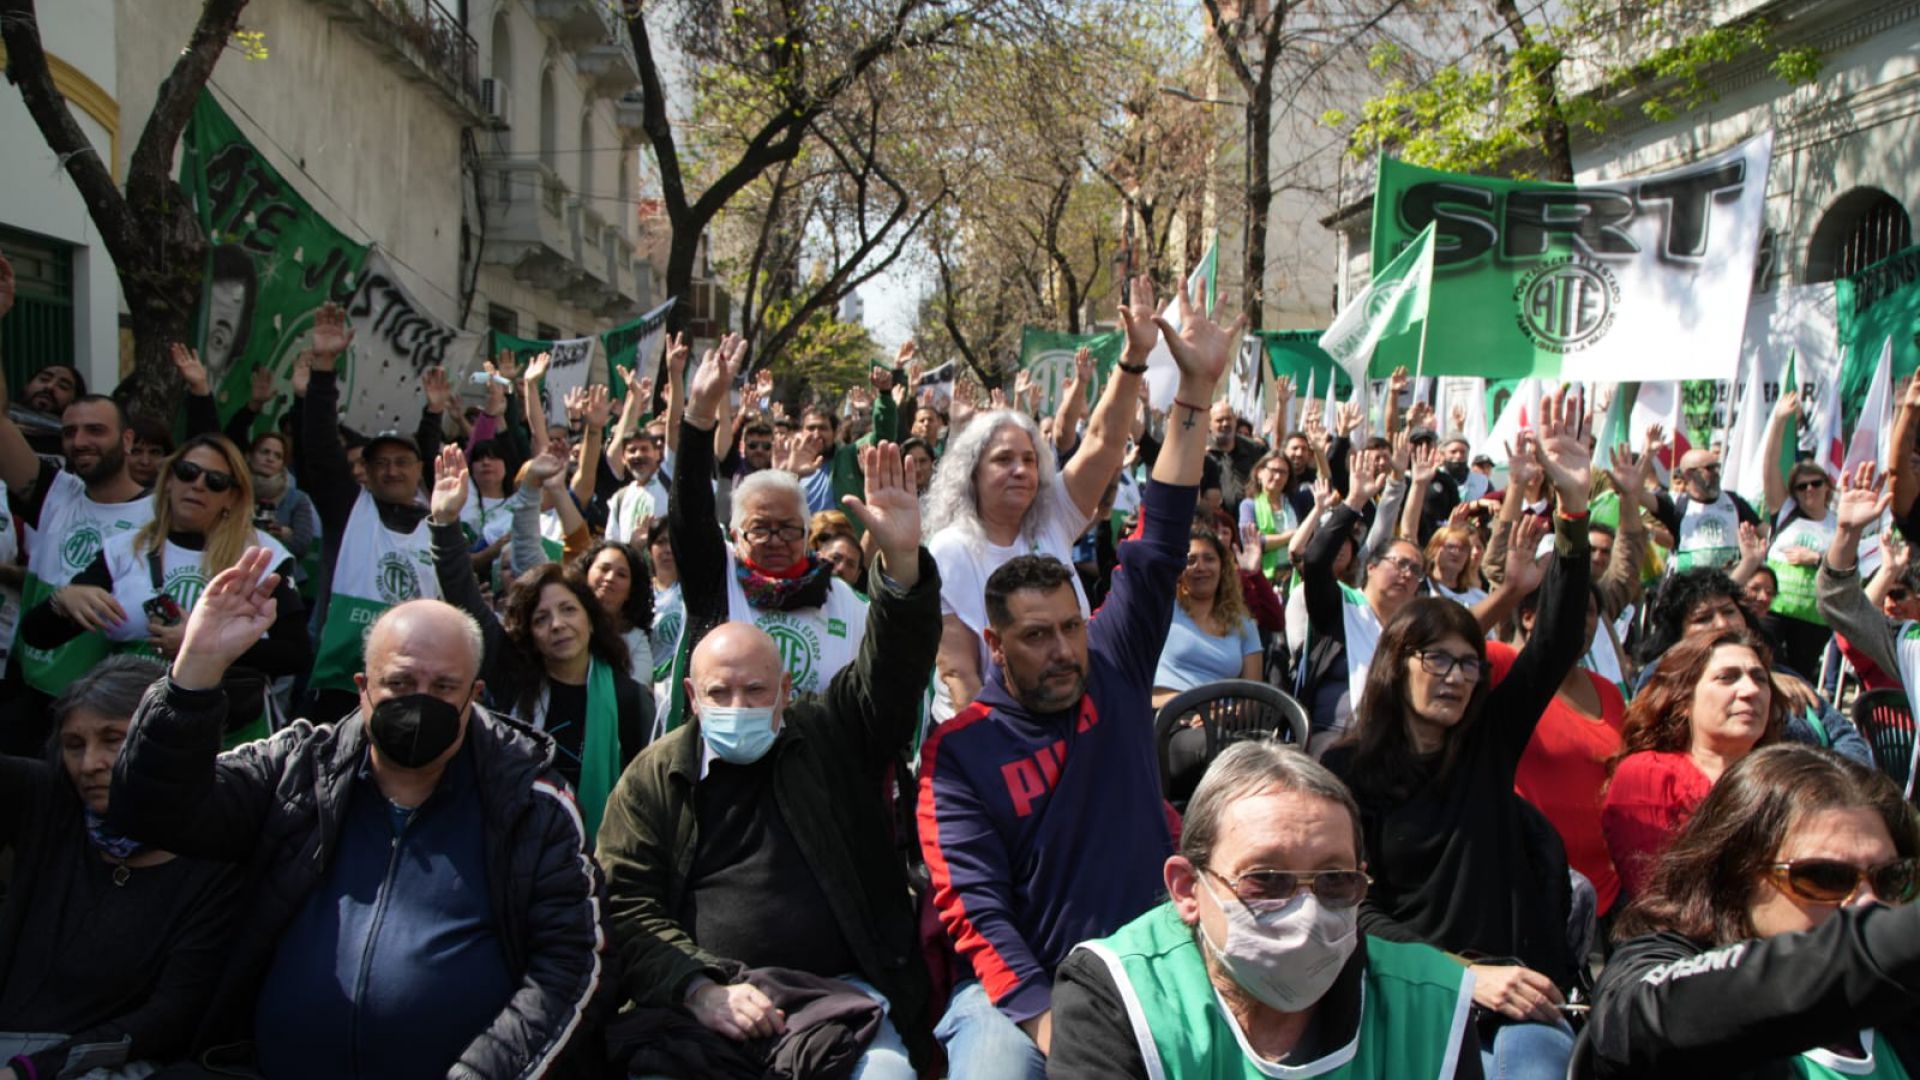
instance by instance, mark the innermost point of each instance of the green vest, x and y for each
(1271, 524)
(1881, 1064)
(1415, 1003)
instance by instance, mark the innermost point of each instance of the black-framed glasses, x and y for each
(1898, 594)
(760, 446)
(1809, 485)
(786, 534)
(1831, 881)
(217, 482)
(1439, 663)
(1334, 888)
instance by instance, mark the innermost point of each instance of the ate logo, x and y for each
(185, 585)
(80, 548)
(395, 578)
(1567, 304)
(799, 651)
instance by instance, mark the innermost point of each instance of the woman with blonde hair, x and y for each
(137, 592)
(1452, 571)
(1213, 636)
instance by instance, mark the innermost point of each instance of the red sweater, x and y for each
(1563, 773)
(1653, 793)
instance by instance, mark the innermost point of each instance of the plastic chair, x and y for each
(1580, 1065)
(1885, 720)
(1229, 710)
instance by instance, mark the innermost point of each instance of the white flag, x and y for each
(1163, 375)
(1870, 432)
(1744, 468)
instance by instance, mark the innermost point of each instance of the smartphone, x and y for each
(163, 609)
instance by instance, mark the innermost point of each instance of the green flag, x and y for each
(1047, 356)
(1879, 303)
(1297, 355)
(1391, 312)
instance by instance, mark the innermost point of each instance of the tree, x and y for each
(1512, 101)
(769, 73)
(150, 229)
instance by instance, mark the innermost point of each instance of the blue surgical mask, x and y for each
(741, 735)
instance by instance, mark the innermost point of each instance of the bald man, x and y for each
(426, 905)
(1704, 520)
(760, 835)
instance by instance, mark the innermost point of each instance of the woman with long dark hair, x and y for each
(554, 660)
(1776, 937)
(618, 577)
(1212, 636)
(1710, 702)
(1459, 860)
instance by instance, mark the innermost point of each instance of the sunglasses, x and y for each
(1335, 888)
(1898, 594)
(187, 472)
(1830, 881)
(761, 446)
(1810, 485)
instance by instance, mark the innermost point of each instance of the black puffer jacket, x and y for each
(277, 805)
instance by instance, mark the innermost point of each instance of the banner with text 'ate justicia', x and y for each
(1644, 279)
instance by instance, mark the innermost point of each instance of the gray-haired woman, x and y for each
(109, 951)
(997, 494)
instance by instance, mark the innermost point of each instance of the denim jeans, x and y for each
(886, 1056)
(1527, 1052)
(982, 1042)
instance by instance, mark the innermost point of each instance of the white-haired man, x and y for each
(425, 903)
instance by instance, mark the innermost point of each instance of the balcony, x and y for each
(630, 114)
(609, 67)
(578, 23)
(527, 226)
(427, 43)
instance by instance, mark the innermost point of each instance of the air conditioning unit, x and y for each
(498, 103)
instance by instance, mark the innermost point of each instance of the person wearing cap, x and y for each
(376, 536)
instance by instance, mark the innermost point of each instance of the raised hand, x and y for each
(1346, 419)
(1628, 472)
(438, 388)
(1419, 416)
(712, 381)
(1397, 382)
(1401, 454)
(1140, 320)
(643, 388)
(449, 495)
(1753, 542)
(881, 379)
(575, 403)
(537, 369)
(1526, 567)
(1201, 348)
(1324, 497)
(599, 407)
(1563, 451)
(1861, 499)
(233, 613)
(302, 373)
(506, 365)
(1523, 467)
(1426, 462)
(763, 386)
(891, 509)
(1251, 555)
(545, 466)
(187, 363)
(1459, 417)
(331, 335)
(496, 406)
(996, 398)
(859, 399)
(260, 392)
(1788, 406)
(966, 400)
(1283, 391)
(903, 356)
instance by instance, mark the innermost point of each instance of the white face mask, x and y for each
(1288, 955)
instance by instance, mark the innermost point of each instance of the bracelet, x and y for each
(1186, 405)
(1131, 369)
(1564, 516)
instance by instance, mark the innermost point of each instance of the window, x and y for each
(546, 331)
(548, 155)
(39, 331)
(503, 319)
(585, 188)
(1861, 227)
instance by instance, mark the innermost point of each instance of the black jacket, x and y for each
(832, 784)
(277, 804)
(1669, 1007)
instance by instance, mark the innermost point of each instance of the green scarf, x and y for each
(599, 747)
(1269, 524)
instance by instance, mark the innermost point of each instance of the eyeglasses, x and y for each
(1402, 564)
(1809, 485)
(759, 446)
(1440, 664)
(1898, 594)
(1830, 881)
(1704, 470)
(1335, 888)
(217, 482)
(786, 534)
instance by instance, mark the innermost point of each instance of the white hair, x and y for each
(952, 500)
(762, 482)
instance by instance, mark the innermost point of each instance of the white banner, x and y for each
(395, 340)
(572, 362)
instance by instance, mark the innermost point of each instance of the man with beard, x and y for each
(1705, 521)
(1040, 809)
(1453, 463)
(1236, 454)
(42, 402)
(643, 497)
(72, 512)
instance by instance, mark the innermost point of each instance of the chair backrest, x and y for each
(1580, 1064)
(1885, 720)
(1230, 710)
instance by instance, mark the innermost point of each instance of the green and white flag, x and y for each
(1392, 309)
(1163, 375)
(1047, 357)
(1639, 280)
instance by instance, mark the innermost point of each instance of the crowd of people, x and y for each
(714, 734)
